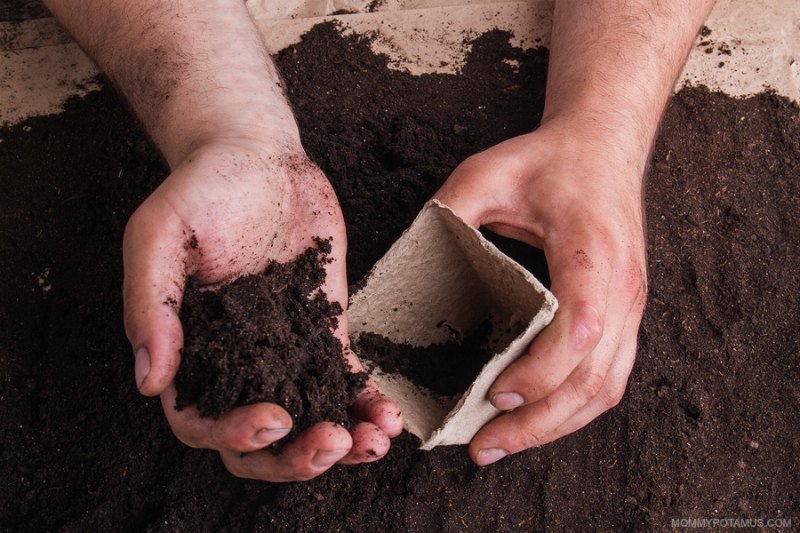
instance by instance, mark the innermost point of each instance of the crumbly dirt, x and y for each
(267, 338)
(383, 147)
(708, 427)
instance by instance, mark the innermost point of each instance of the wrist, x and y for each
(268, 129)
(614, 146)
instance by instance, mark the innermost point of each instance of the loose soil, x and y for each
(445, 368)
(267, 338)
(708, 427)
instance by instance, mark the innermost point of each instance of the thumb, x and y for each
(154, 250)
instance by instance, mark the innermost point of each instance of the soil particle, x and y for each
(717, 366)
(267, 338)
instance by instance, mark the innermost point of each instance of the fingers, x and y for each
(306, 457)
(581, 276)
(370, 443)
(375, 407)
(244, 429)
(566, 379)
(609, 396)
(527, 426)
(594, 387)
(254, 427)
(154, 253)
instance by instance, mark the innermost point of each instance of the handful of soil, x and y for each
(265, 338)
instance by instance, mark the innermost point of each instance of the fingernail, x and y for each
(141, 366)
(267, 436)
(505, 401)
(488, 456)
(326, 458)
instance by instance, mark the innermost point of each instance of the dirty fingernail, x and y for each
(488, 456)
(267, 436)
(142, 366)
(326, 458)
(505, 401)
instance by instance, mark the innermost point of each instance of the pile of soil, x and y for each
(708, 427)
(382, 147)
(267, 338)
(445, 368)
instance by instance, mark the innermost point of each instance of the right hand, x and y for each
(555, 190)
(247, 204)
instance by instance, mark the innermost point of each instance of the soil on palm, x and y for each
(267, 338)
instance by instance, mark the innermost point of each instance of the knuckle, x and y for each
(529, 437)
(612, 396)
(548, 404)
(593, 383)
(587, 327)
(490, 161)
(590, 385)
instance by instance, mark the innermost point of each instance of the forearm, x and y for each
(192, 71)
(613, 65)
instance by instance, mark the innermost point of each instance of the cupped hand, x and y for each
(228, 209)
(580, 202)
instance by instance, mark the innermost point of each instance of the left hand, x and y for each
(248, 201)
(565, 193)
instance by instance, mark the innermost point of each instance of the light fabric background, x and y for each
(40, 66)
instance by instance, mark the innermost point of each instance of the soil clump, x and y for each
(267, 338)
(445, 368)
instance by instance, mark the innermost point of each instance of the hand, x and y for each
(565, 193)
(246, 204)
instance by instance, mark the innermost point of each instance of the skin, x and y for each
(574, 188)
(197, 75)
(199, 78)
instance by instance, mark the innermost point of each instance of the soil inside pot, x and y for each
(708, 426)
(445, 368)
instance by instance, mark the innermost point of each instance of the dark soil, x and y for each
(446, 368)
(381, 146)
(708, 427)
(264, 338)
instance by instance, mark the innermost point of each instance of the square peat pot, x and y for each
(442, 271)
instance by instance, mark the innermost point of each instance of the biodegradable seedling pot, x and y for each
(442, 271)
